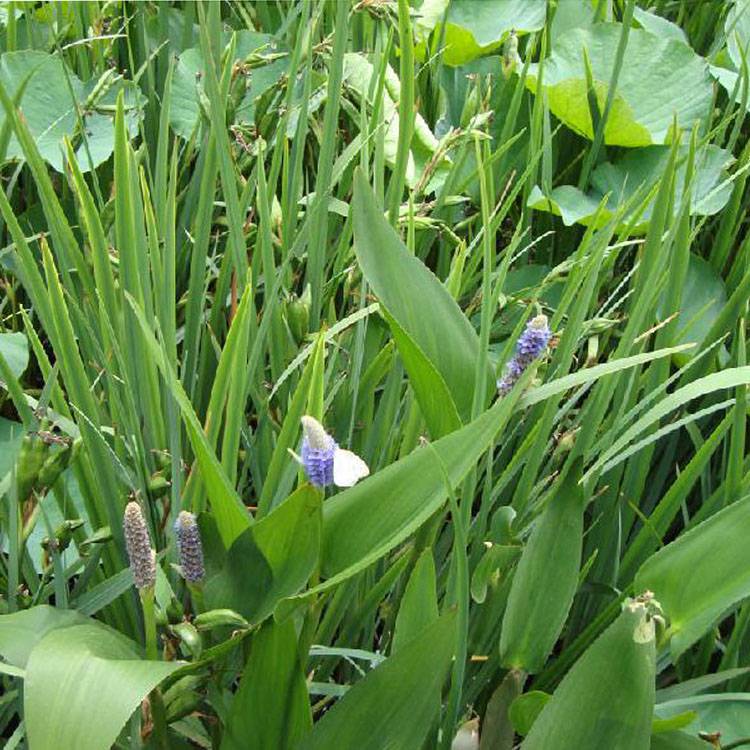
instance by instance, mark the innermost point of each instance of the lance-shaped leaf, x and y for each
(546, 580)
(607, 698)
(421, 306)
(701, 574)
(394, 706)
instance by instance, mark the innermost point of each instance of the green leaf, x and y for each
(549, 568)
(525, 709)
(475, 29)
(364, 522)
(416, 300)
(435, 400)
(696, 578)
(677, 741)
(728, 713)
(737, 29)
(21, 631)
(270, 710)
(231, 515)
(15, 351)
(659, 26)
(271, 560)
(394, 706)
(660, 79)
(497, 732)
(50, 102)
(622, 178)
(703, 298)
(188, 89)
(673, 723)
(494, 562)
(77, 673)
(419, 606)
(607, 698)
(360, 75)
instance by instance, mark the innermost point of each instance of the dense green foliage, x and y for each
(218, 218)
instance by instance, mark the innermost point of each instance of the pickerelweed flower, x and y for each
(324, 462)
(190, 547)
(530, 345)
(138, 543)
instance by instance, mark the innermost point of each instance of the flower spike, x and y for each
(324, 462)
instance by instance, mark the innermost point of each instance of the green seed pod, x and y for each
(29, 463)
(183, 705)
(175, 611)
(188, 634)
(217, 618)
(56, 462)
(298, 318)
(158, 485)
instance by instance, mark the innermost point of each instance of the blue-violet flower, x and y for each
(324, 462)
(531, 344)
(138, 543)
(190, 547)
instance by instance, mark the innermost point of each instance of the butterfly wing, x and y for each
(348, 468)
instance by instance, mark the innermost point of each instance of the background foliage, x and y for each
(220, 217)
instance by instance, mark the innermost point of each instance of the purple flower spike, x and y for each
(190, 547)
(324, 462)
(318, 450)
(531, 344)
(138, 543)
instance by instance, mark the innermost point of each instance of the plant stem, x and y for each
(157, 704)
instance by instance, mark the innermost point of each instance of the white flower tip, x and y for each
(540, 321)
(315, 433)
(348, 468)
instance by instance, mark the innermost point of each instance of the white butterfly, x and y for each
(348, 468)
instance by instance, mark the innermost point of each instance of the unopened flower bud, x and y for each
(138, 543)
(190, 547)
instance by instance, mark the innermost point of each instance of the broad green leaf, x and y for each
(703, 298)
(676, 741)
(435, 400)
(415, 299)
(270, 560)
(728, 713)
(21, 631)
(497, 732)
(82, 684)
(698, 576)
(737, 29)
(659, 26)
(475, 29)
(545, 581)
(660, 79)
(49, 105)
(188, 93)
(525, 709)
(15, 350)
(622, 178)
(271, 709)
(360, 75)
(394, 706)
(419, 606)
(607, 698)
